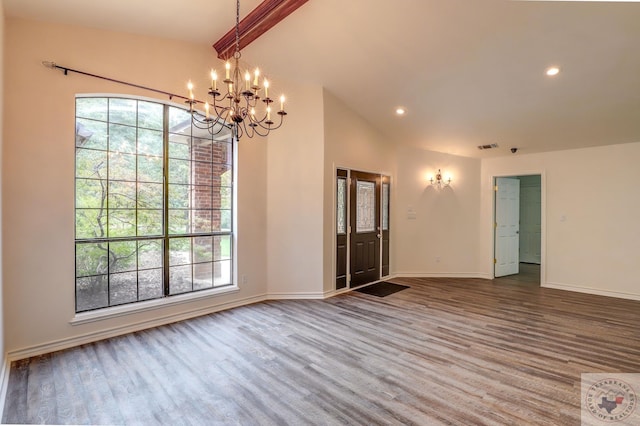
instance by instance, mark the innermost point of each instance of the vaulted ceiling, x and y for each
(469, 72)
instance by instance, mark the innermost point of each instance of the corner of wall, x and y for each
(294, 204)
(4, 371)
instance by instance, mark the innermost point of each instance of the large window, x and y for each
(153, 203)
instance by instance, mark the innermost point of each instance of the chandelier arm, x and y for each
(196, 120)
(212, 133)
(246, 132)
(219, 110)
(270, 127)
(239, 131)
(259, 124)
(253, 118)
(200, 125)
(254, 130)
(278, 126)
(208, 124)
(250, 102)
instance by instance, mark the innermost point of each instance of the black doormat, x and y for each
(382, 289)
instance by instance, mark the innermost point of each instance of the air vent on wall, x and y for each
(490, 146)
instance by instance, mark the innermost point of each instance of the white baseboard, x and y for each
(296, 296)
(331, 293)
(61, 344)
(480, 275)
(5, 369)
(598, 292)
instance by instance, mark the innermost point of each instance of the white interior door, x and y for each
(507, 238)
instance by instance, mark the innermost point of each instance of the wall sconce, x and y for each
(439, 181)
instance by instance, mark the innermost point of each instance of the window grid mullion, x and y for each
(165, 207)
(105, 204)
(113, 231)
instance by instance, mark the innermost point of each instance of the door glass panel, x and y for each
(365, 206)
(342, 209)
(385, 206)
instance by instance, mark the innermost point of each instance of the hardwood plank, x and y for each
(445, 351)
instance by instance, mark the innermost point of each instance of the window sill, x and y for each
(135, 308)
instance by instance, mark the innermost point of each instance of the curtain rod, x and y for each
(66, 70)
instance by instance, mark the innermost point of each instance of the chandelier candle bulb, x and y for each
(256, 75)
(206, 109)
(266, 88)
(227, 66)
(214, 80)
(268, 113)
(282, 103)
(190, 87)
(247, 78)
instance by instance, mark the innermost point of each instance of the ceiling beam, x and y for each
(257, 22)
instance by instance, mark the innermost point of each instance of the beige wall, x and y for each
(38, 173)
(294, 197)
(2, 346)
(436, 229)
(591, 207)
(351, 143)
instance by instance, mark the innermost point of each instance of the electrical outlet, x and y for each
(245, 279)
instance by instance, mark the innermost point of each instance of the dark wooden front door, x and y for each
(365, 228)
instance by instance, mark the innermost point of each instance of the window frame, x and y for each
(165, 236)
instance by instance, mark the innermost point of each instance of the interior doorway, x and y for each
(518, 227)
(362, 227)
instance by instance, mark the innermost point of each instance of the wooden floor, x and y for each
(528, 273)
(445, 351)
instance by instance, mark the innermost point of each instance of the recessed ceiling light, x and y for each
(400, 111)
(553, 71)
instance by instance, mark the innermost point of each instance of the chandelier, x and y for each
(237, 100)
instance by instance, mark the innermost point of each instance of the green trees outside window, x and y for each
(153, 203)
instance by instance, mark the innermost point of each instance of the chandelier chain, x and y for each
(237, 27)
